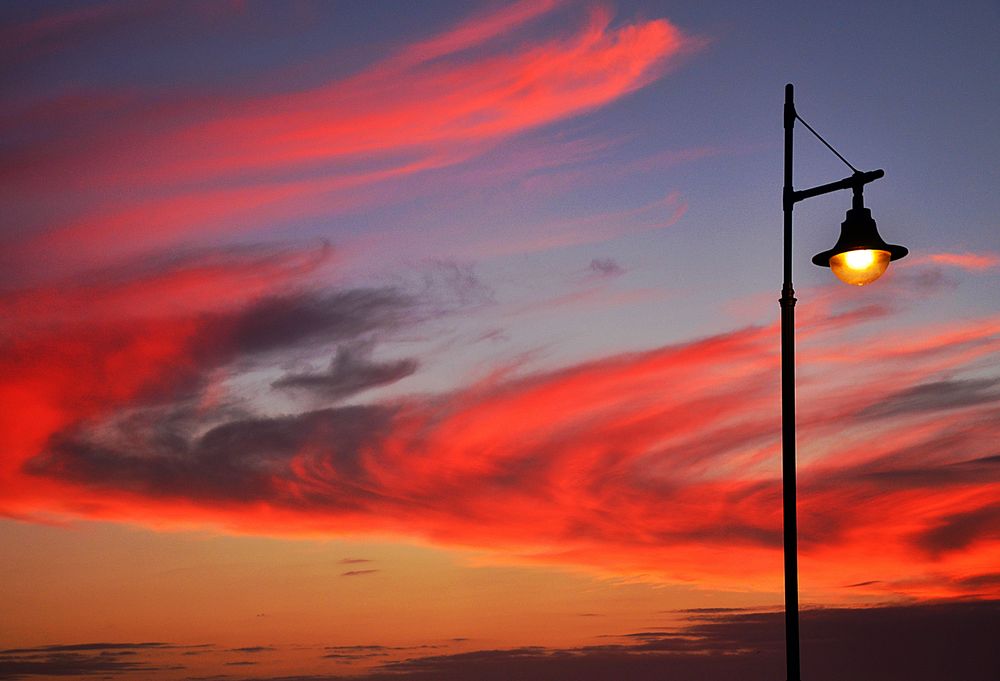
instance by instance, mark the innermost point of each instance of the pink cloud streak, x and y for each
(310, 151)
(973, 262)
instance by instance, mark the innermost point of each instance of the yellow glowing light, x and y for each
(859, 267)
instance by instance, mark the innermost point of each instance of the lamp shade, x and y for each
(860, 255)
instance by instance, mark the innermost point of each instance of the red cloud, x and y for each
(88, 348)
(662, 462)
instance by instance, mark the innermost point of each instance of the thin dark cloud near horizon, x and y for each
(920, 642)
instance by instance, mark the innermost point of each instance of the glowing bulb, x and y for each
(859, 267)
(859, 260)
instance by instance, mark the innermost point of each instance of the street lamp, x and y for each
(859, 257)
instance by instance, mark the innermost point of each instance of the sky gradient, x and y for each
(440, 341)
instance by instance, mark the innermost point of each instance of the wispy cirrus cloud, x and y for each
(351, 371)
(57, 30)
(191, 164)
(571, 231)
(972, 262)
(657, 463)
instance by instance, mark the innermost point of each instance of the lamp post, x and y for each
(859, 257)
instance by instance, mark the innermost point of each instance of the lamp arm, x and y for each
(855, 182)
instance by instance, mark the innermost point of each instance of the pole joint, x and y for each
(787, 295)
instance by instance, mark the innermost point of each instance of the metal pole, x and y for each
(787, 302)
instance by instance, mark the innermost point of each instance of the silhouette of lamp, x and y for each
(859, 257)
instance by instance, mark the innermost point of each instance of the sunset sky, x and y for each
(439, 340)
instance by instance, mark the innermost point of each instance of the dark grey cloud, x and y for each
(162, 443)
(77, 647)
(243, 460)
(957, 473)
(909, 468)
(154, 444)
(358, 573)
(249, 459)
(928, 463)
(914, 467)
(290, 320)
(925, 642)
(281, 325)
(937, 396)
(351, 371)
(69, 664)
(366, 652)
(731, 530)
(712, 611)
(358, 652)
(961, 530)
(606, 267)
(896, 643)
(361, 648)
(447, 285)
(287, 322)
(990, 579)
(80, 659)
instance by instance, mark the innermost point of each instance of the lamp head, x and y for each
(860, 255)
